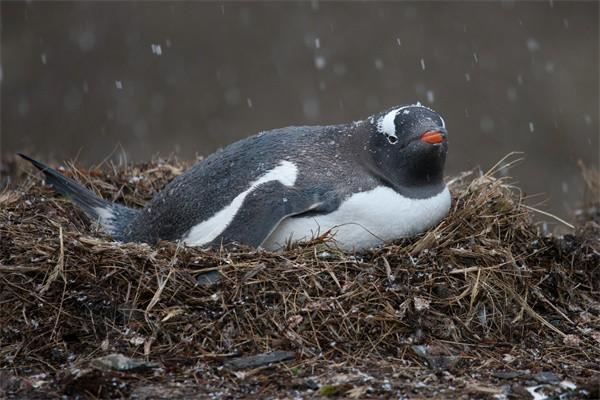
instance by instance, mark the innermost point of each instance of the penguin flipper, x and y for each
(112, 217)
(269, 204)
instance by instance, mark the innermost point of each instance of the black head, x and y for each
(408, 148)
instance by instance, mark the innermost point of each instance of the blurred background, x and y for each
(81, 79)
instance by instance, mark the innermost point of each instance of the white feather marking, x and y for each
(106, 219)
(443, 122)
(367, 219)
(206, 231)
(387, 126)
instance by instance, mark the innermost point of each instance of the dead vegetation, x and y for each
(482, 292)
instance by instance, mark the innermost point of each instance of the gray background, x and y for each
(79, 78)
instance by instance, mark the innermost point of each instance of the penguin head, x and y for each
(408, 146)
(402, 125)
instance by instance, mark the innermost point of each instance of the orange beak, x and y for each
(432, 137)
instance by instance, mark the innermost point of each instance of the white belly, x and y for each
(366, 219)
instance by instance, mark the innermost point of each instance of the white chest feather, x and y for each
(367, 219)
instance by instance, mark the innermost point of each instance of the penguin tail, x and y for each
(113, 218)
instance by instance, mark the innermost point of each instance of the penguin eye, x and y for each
(392, 139)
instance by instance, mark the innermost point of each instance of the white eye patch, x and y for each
(387, 126)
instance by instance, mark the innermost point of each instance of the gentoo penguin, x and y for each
(367, 182)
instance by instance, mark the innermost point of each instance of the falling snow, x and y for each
(430, 96)
(532, 44)
(156, 49)
(320, 62)
(423, 64)
(311, 107)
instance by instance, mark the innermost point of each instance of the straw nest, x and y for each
(485, 275)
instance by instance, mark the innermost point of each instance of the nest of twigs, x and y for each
(485, 275)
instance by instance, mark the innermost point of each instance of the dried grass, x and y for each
(484, 277)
